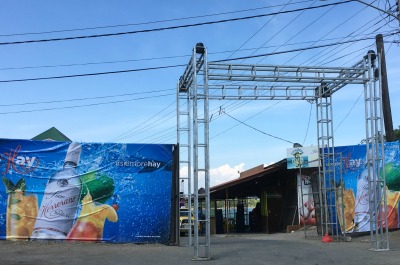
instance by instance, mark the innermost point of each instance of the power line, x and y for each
(182, 65)
(94, 74)
(146, 23)
(81, 99)
(276, 137)
(96, 63)
(281, 30)
(263, 45)
(311, 105)
(294, 50)
(169, 57)
(314, 21)
(166, 136)
(171, 27)
(135, 130)
(81, 106)
(348, 113)
(308, 124)
(254, 34)
(351, 35)
(278, 102)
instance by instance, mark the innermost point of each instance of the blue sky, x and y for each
(140, 106)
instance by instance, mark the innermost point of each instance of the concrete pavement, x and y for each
(282, 248)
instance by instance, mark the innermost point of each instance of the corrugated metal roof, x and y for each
(249, 176)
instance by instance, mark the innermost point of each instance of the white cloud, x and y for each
(218, 175)
(225, 173)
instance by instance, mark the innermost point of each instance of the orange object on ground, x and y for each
(327, 239)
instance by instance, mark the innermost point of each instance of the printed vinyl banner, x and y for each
(354, 188)
(305, 200)
(85, 191)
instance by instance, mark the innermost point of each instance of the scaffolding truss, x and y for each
(203, 81)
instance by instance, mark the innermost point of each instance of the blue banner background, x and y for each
(353, 162)
(141, 173)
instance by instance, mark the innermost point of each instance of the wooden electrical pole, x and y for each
(387, 112)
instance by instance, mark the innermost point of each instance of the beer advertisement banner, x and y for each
(354, 216)
(305, 200)
(85, 191)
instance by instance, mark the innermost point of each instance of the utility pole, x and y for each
(387, 112)
(398, 9)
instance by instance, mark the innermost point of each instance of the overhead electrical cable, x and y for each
(160, 136)
(258, 113)
(96, 63)
(170, 57)
(281, 30)
(82, 99)
(81, 106)
(290, 22)
(94, 74)
(342, 56)
(170, 27)
(300, 31)
(364, 48)
(315, 42)
(328, 52)
(149, 22)
(243, 103)
(237, 104)
(165, 136)
(147, 124)
(348, 113)
(182, 65)
(125, 134)
(307, 128)
(308, 124)
(332, 60)
(254, 34)
(270, 135)
(297, 50)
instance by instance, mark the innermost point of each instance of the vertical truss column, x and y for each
(201, 154)
(378, 218)
(184, 136)
(327, 177)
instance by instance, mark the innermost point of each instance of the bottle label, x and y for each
(363, 198)
(361, 211)
(58, 207)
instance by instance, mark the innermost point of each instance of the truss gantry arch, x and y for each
(203, 81)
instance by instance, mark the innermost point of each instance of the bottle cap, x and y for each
(73, 153)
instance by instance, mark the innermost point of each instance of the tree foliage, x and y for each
(397, 134)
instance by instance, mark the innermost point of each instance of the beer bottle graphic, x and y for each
(60, 199)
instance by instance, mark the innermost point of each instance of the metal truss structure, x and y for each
(198, 85)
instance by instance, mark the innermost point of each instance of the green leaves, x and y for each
(10, 187)
(21, 185)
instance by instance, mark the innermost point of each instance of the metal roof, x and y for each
(251, 182)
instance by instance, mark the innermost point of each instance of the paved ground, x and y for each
(252, 249)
